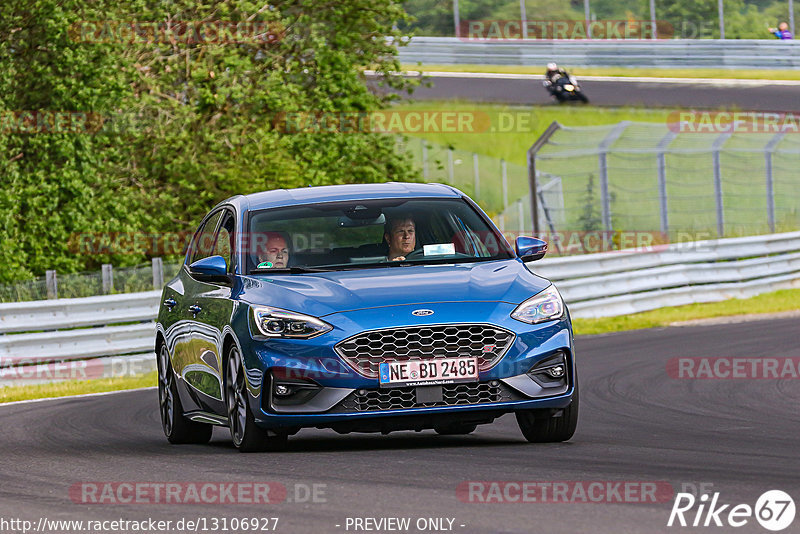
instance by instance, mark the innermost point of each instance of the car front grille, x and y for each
(375, 400)
(366, 351)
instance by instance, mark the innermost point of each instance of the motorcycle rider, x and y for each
(553, 73)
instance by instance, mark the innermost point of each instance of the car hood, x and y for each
(322, 294)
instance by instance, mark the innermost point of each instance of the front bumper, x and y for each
(347, 395)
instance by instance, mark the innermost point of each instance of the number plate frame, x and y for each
(430, 372)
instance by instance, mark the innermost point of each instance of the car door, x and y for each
(211, 310)
(177, 319)
(186, 362)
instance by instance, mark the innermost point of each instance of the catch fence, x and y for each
(650, 177)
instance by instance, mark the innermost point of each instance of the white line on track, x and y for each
(720, 82)
(101, 394)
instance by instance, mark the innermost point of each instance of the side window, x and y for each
(203, 245)
(224, 244)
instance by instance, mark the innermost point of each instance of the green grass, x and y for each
(777, 301)
(764, 74)
(513, 146)
(71, 387)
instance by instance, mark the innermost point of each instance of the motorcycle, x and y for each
(566, 89)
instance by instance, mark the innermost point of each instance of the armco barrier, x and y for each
(628, 281)
(596, 285)
(668, 53)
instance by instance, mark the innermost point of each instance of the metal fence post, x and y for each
(662, 180)
(476, 171)
(521, 216)
(504, 173)
(654, 35)
(158, 273)
(605, 194)
(523, 19)
(450, 171)
(51, 281)
(532, 185)
(768, 150)
(721, 9)
(108, 278)
(424, 159)
(587, 16)
(456, 19)
(716, 147)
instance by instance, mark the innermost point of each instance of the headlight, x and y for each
(544, 306)
(569, 87)
(275, 322)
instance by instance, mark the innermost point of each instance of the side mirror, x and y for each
(530, 248)
(211, 269)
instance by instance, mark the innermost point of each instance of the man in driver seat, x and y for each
(400, 235)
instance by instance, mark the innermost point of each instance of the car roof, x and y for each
(332, 193)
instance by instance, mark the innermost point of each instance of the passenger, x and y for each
(275, 253)
(400, 235)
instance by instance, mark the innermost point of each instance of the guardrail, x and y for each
(88, 330)
(668, 53)
(619, 283)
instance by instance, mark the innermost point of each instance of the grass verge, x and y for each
(739, 74)
(68, 388)
(777, 301)
(513, 142)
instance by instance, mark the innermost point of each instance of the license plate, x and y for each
(428, 372)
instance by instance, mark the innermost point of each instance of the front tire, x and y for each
(176, 427)
(539, 426)
(246, 435)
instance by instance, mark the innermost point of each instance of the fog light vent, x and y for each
(550, 371)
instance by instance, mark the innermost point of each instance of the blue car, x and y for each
(360, 308)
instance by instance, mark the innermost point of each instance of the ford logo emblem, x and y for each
(422, 313)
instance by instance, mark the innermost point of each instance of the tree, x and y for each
(187, 122)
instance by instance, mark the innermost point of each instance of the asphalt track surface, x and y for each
(747, 97)
(636, 424)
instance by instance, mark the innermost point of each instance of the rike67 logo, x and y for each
(774, 510)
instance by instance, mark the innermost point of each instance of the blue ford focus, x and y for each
(360, 308)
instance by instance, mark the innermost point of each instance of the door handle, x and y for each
(170, 303)
(195, 309)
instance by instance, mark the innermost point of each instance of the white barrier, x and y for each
(665, 53)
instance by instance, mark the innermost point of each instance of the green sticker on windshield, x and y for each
(264, 265)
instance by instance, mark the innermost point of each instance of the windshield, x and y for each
(365, 234)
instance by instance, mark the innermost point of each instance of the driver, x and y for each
(400, 234)
(275, 253)
(553, 73)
